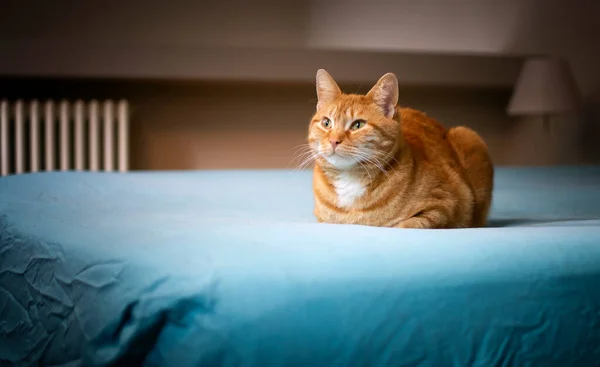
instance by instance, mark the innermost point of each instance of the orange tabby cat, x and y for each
(381, 165)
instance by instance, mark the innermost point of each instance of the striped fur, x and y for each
(399, 168)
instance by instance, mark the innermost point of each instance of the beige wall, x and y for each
(569, 29)
(212, 39)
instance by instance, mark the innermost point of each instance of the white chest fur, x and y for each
(348, 188)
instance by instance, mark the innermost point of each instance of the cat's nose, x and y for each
(334, 143)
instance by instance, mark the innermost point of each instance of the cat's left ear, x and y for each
(385, 94)
(327, 88)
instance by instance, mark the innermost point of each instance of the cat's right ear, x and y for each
(327, 88)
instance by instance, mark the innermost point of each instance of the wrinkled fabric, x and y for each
(229, 268)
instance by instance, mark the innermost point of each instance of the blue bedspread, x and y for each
(231, 269)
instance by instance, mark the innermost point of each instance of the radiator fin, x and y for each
(67, 135)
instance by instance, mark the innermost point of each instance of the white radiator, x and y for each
(67, 135)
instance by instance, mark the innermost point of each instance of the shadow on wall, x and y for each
(138, 23)
(590, 131)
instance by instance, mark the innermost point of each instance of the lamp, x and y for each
(545, 87)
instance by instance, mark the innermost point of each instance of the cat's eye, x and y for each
(326, 123)
(357, 125)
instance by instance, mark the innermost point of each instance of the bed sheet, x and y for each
(229, 268)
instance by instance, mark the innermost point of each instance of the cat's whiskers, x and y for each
(380, 155)
(357, 153)
(310, 159)
(360, 157)
(377, 164)
(363, 166)
(304, 154)
(305, 163)
(301, 147)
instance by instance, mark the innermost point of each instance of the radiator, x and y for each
(67, 136)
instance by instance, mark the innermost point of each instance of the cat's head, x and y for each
(350, 130)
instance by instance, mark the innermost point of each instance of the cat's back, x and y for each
(438, 176)
(425, 136)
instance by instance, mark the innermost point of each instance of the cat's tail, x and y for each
(475, 159)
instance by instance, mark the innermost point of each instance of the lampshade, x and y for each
(545, 86)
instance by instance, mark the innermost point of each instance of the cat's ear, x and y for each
(385, 94)
(327, 88)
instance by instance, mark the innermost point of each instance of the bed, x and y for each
(229, 268)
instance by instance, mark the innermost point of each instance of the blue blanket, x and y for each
(231, 269)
